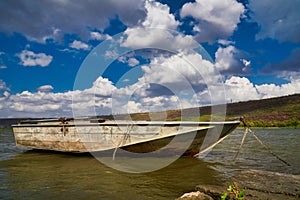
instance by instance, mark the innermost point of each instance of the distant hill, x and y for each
(274, 112)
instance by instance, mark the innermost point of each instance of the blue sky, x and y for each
(65, 58)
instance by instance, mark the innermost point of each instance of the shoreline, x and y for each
(267, 127)
(258, 184)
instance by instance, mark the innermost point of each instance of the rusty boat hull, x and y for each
(182, 138)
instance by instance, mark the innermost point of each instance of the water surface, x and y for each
(31, 174)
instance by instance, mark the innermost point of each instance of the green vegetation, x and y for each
(291, 123)
(234, 191)
(273, 112)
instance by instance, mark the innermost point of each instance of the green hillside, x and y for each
(274, 112)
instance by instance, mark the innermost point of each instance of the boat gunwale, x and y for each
(127, 123)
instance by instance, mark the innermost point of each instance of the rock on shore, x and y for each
(259, 184)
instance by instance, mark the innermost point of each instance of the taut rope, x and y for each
(269, 149)
(242, 143)
(247, 130)
(126, 136)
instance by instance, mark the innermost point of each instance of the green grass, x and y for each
(273, 112)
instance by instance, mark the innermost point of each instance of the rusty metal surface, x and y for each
(139, 137)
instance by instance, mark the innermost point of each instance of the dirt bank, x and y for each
(258, 184)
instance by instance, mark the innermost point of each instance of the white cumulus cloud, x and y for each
(272, 90)
(104, 98)
(45, 88)
(103, 87)
(111, 54)
(215, 19)
(229, 61)
(133, 62)
(241, 89)
(29, 58)
(157, 30)
(99, 36)
(79, 45)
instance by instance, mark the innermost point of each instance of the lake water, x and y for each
(27, 174)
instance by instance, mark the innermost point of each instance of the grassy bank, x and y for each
(274, 112)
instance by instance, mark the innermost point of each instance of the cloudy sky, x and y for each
(77, 58)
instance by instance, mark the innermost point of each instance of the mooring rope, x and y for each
(126, 136)
(242, 143)
(269, 149)
(247, 130)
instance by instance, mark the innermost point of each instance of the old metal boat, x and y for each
(183, 138)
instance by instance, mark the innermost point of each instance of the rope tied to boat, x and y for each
(126, 136)
(248, 130)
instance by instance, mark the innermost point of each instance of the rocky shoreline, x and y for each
(258, 185)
